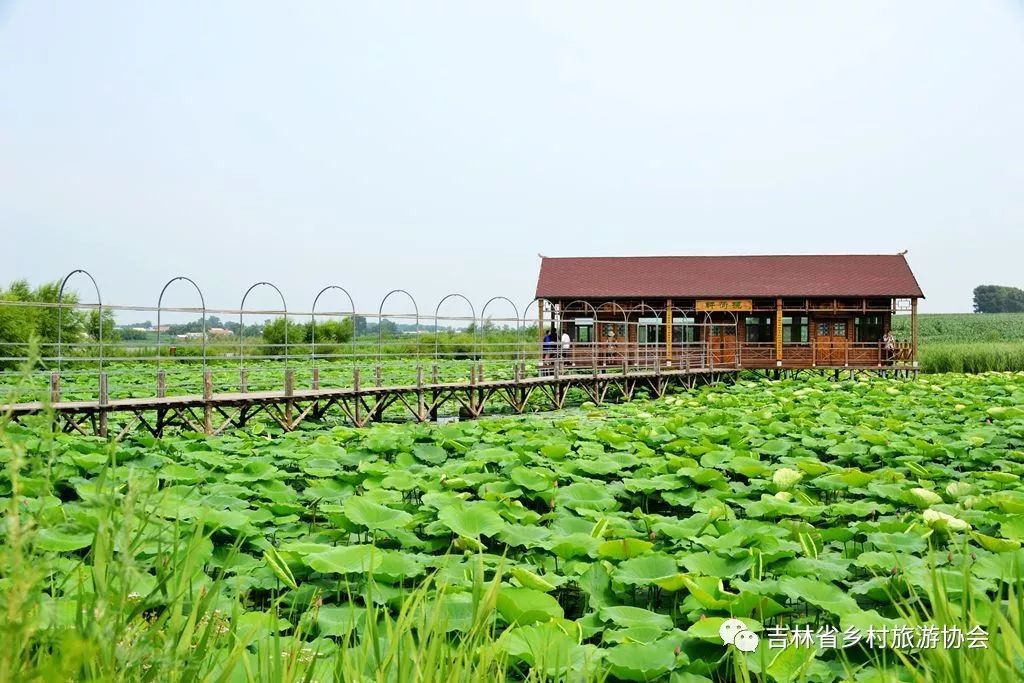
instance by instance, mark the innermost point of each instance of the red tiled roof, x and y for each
(727, 276)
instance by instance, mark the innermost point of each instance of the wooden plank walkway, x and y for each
(360, 404)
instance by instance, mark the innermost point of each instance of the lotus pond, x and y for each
(607, 543)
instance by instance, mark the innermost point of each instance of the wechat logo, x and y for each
(735, 632)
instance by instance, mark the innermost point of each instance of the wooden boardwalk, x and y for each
(213, 413)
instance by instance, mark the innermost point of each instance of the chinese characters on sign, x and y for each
(740, 305)
(882, 637)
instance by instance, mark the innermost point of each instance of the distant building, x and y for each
(220, 331)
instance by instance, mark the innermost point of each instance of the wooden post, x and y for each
(207, 407)
(316, 379)
(54, 387)
(243, 380)
(161, 384)
(668, 331)
(433, 374)
(103, 402)
(421, 408)
(913, 331)
(289, 391)
(377, 375)
(356, 398)
(778, 329)
(540, 321)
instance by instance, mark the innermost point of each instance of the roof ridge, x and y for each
(817, 255)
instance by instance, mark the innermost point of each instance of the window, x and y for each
(839, 328)
(869, 328)
(795, 329)
(584, 330)
(650, 331)
(685, 331)
(759, 328)
(823, 329)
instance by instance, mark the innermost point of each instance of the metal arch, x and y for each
(639, 311)
(685, 314)
(519, 327)
(312, 320)
(60, 309)
(710, 325)
(159, 309)
(625, 327)
(540, 321)
(380, 319)
(241, 322)
(476, 332)
(593, 311)
(534, 300)
(625, 313)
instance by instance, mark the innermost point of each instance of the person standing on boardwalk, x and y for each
(889, 347)
(548, 347)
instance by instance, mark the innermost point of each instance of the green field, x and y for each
(601, 544)
(963, 327)
(967, 342)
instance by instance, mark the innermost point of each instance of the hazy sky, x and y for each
(439, 147)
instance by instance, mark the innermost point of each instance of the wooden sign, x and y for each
(725, 305)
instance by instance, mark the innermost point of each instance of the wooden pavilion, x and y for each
(779, 312)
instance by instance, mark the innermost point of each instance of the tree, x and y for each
(998, 299)
(274, 335)
(330, 332)
(110, 331)
(20, 322)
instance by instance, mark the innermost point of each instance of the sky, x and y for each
(440, 147)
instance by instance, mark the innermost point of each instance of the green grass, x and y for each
(967, 342)
(972, 357)
(963, 327)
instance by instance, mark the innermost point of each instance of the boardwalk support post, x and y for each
(103, 403)
(207, 406)
(289, 391)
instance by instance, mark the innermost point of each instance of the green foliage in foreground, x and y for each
(606, 544)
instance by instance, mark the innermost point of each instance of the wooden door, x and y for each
(723, 344)
(830, 343)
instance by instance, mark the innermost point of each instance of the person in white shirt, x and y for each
(566, 343)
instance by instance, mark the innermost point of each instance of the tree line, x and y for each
(998, 299)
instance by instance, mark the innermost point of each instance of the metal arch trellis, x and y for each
(711, 324)
(312, 316)
(540, 318)
(60, 309)
(683, 345)
(437, 310)
(639, 309)
(593, 312)
(621, 351)
(519, 326)
(380, 320)
(241, 322)
(159, 310)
